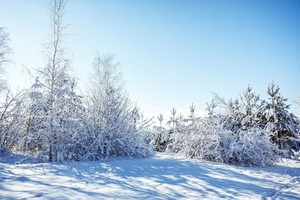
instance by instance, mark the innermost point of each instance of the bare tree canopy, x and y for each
(5, 50)
(57, 62)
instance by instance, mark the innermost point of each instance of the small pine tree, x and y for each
(211, 107)
(173, 119)
(274, 116)
(249, 101)
(160, 118)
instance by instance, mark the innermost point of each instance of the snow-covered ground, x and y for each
(159, 177)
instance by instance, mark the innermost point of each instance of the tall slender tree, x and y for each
(5, 53)
(115, 126)
(57, 112)
(10, 109)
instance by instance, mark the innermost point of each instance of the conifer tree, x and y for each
(160, 118)
(249, 101)
(284, 127)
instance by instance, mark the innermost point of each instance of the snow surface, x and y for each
(158, 177)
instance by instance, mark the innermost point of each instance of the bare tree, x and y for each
(57, 63)
(5, 50)
(11, 121)
(115, 123)
(230, 106)
(5, 53)
(105, 87)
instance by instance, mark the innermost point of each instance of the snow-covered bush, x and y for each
(11, 121)
(159, 138)
(250, 148)
(209, 139)
(196, 141)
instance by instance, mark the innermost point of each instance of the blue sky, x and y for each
(172, 53)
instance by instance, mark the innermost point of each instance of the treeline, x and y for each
(248, 131)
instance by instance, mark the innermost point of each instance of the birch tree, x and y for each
(10, 109)
(57, 111)
(5, 53)
(115, 123)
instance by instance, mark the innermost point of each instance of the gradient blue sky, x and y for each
(172, 52)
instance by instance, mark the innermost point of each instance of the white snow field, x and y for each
(158, 177)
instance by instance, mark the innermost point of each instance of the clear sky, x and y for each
(172, 52)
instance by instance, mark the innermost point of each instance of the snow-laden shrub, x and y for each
(197, 140)
(207, 139)
(159, 138)
(250, 148)
(124, 145)
(196, 143)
